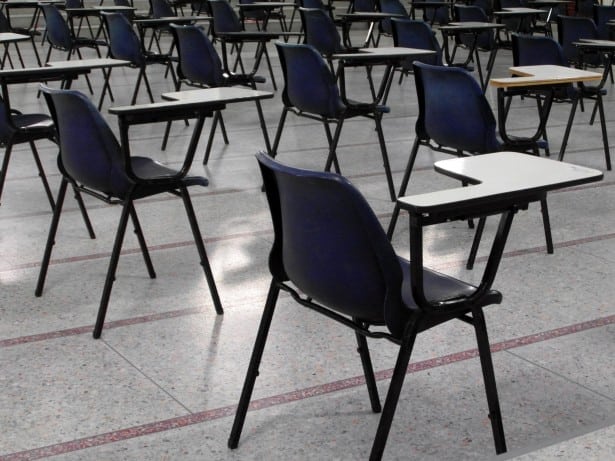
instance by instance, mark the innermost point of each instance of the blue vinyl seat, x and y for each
(61, 37)
(18, 128)
(228, 28)
(418, 34)
(199, 65)
(485, 41)
(124, 43)
(602, 15)
(93, 162)
(571, 29)
(331, 255)
(311, 91)
(394, 7)
(6, 26)
(536, 50)
(456, 118)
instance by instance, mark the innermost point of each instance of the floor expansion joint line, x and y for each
(288, 397)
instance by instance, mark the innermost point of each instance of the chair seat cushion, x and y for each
(357, 108)
(440, 286)
(32, 121)
(158, 178)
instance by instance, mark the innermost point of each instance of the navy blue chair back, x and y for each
(364, 5)
(58, 32)
(473, 13)
(320, 31)
(602, 15)
(572, 28)
(535, 50)
(393, 7)
(416, 34)
(6, 125)
(485, 5)
(198, 60)
(312, 4)
(453, 110)
(124, 43)
(89, 151)
(224, 17)
(329, 243)
(161, 8)
(73, 3)
(309, 85)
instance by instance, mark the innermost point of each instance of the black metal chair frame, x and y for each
(430, 316)
(170, 184)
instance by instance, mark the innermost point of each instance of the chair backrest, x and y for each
(512, 3)
(473, 13)
(453, 111)
(393, 7)
(312, 4)
(89, 151)
(416, 34)
(7, 128)
(224, 17)
(329, 243)
(58, 32)
(124, 43)
(572, 28)
(4, 23)
(534, 50)
(585, 8)
(199, 62)
(309, 84)
(485, 5)
(438, 14)
(161, 8)
(602, 15)
(364, 5)
(73, 3)
(320, 31)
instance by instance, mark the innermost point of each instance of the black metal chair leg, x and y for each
(142, 243)
(84, 212)
(605, 138)
(493, 402)
(368, 372)
(332, 157)
(266, 53)
(278, 133)
(385, 156)
(198, 240)
(402, 188)
(547, 225)
(327, 127)
(223, 128)
(148, 87)
(5, 165)
(397, 381)
(478, 234)
(137, 85)
(38, 291)
(255, 360)
(165, 138)
(115, 256)
(568, 128)
(212, 132)
(41, 173)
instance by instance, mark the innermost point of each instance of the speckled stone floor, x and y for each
(163, 380)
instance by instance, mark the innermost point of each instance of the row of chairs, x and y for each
(291, 193)
(374, 293)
